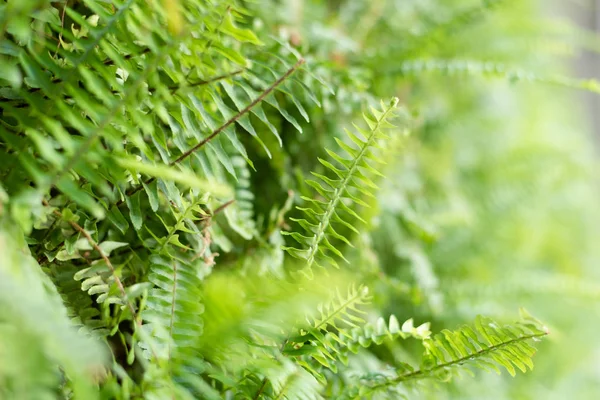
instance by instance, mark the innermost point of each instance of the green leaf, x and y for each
(229, 27)
(108, 246)
(69, 188)
(135, 212)
(116, 217)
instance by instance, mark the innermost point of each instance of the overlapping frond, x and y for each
(120, 88)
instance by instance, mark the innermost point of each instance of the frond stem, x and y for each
(240, 114)
(421, 373)
(261, 389)
(93, 243)
(109, 265)
(339, 191)
(173, 302)
(340, 309)
(221, 128)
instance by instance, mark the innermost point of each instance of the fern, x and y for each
(487, 346)
(173, 308)
(340, 193)
(369, 334)
(490, 69)
(151, 153)
(32, 305)
(319, 340)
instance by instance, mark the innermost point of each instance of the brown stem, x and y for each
(93, 243)
(175, 88)
(239, 114)
(95, 246)
(261, 388)
(421, 373)
(220, 129)
(62, 27)
(222, 207)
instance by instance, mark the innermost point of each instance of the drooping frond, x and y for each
(487, 345)
(94, 100)
(340, 192)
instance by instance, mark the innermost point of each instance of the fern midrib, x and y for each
(331, 207)
(225, 125)
(172, 316)
(289, 379)
(420, 373)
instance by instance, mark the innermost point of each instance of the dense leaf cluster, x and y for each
(179, 180)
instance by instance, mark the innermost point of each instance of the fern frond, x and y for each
(80, 305)
(368, 334)
(327, 330)
(490, 69)
(538, 282)
(290, 381)
(240, 214)
(34, 323)
(486, 345)
(173, 308)
(333, 347)
(338, 194)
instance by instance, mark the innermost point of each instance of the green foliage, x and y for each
(485, 346)
(173, 170)
(341, 193)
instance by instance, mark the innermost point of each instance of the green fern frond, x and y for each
(538, 282)
(338, 194)
(173, 307)
(489, 69)
(333, 347)
(368, 334)
(321, 339)
(80, 305)
(486, 345)
(100, 99)
(240, 214)
(35, 323)
(290, 381)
